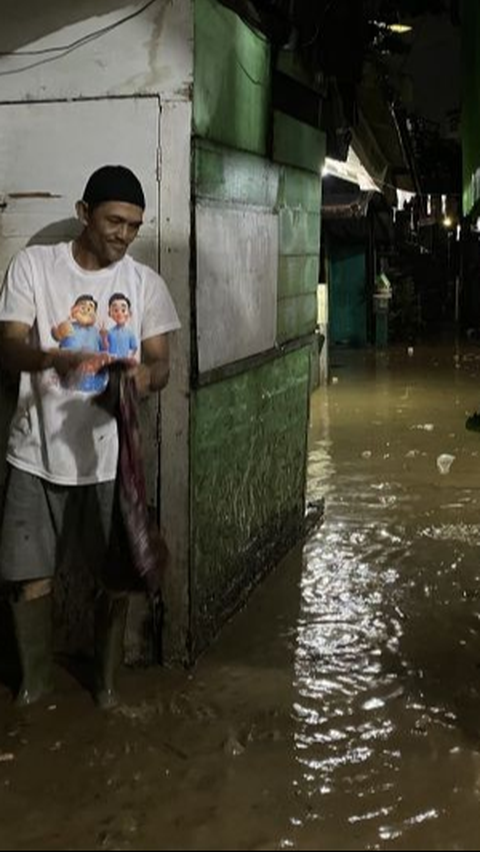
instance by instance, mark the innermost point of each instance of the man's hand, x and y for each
(17, 355)
(67, 363)
(153, 373)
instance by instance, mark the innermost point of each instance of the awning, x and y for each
(352, 170)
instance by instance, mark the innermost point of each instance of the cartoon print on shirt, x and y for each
(120, 341)
(80, 333)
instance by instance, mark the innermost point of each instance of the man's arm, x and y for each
(17, 355)
(153, 373)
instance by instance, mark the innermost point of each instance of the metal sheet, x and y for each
(237, 272)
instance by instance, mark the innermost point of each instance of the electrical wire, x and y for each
(53, 54)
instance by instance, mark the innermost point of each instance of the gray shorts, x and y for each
(46, 525)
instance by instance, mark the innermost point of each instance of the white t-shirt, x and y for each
(59, 432)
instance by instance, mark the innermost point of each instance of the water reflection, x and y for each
(386, 668)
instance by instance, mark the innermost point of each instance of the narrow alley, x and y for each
(341, 709)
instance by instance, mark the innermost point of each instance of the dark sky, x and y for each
(434, 64)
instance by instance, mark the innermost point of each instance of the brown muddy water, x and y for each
(341, 709)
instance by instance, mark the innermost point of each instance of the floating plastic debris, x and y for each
(444, 463)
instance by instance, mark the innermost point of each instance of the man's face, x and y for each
(85, 313)
(119, 312)
(111, 228)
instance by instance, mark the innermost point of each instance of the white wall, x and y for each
(151, 54)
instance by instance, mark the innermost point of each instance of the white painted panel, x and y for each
(152, 53)
(237, 258)
(48, 151)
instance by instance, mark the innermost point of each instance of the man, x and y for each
(63, 447)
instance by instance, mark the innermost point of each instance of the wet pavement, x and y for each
(341, 709)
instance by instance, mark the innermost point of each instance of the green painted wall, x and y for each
(248, 473)
(232, 109)
(298, 275)
(297, 144)
(471, 103)
(227, 176)
(299, 206)
(232, 79)
(248, 433)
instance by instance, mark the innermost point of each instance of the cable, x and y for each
(80, 41)
(40, 62)
(61, 51)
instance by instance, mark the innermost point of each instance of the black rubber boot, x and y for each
(110, 620)
(33, 630)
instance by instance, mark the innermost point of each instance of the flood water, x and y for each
(341, 709)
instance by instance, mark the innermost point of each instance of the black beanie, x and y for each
(114, 183)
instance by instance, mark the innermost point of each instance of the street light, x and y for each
(400, 29)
